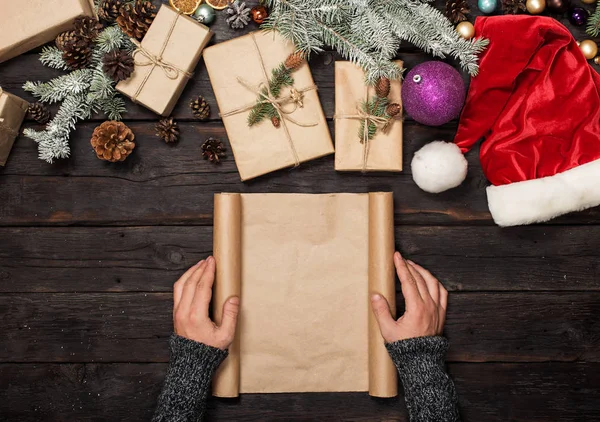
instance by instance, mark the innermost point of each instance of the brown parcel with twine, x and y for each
(12, 113)
(238, 70)
(384, 151)
(165, 60)
(26, 24)
(304, 267)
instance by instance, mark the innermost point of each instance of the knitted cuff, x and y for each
(416, 357)
(194, 361)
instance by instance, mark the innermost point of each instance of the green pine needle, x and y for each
(280, 77)
(593, 26)
(376, 107)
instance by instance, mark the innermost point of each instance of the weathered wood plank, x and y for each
(150, 259)
(133, 327)
(128, 392)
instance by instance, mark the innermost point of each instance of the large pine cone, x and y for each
(118, 65)
(167, 130)
(108, 10)
(78, 55)
(39, 112)
(200, 108)
(66, 38)
(87, 27)
(113, 141)
(457, 10)
(135, 18)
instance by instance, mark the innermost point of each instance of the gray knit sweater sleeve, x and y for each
(187, 384)
(428, 390)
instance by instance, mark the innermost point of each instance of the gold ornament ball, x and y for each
(588, 1)
(466, 30)
(597, 59)
(535, 7)
(589, 49)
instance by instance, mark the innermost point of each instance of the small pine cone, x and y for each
(78, 55)
(135, 18)
(87, 27)
(513, 7)
(108, 10)
(200, 108)
(382, 87)
(275, 120)
(213, 150)
(112, 141)
(65, 39)
(39, 112)
(167, 130)
(457, 10)
(393, 109)
(294, 60)
(118, 65)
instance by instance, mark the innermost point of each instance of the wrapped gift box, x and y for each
(165, 60)
(237, 69)
(384, 151)
(12, 113)
(26, 24)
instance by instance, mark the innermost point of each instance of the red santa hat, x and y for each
(536, 101)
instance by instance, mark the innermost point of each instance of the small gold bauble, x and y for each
(597, 59)
(588, 1)
(466, 30)
(535, 7)
(589, 49)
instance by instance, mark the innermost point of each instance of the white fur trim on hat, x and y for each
(439, 166)
(537, 200)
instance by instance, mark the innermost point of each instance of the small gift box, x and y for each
(364, 139)
(12, 113)
(165, 60)
(26, 24)
(292, 128)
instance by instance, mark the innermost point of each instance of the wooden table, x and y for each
(89, 252)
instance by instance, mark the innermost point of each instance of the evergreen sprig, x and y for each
(349, 27)
(375, 106)
(593, 25)
(281, 76)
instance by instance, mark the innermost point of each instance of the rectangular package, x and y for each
(237, 69)
(12, 113)
(289, 257)
(165, 60)
(26, 24)
(384, 151)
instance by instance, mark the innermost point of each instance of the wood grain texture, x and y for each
(128, 392)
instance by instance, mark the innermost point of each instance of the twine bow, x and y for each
(170, 70)
(262, 90)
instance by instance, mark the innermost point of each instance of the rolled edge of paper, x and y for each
(383, 378)
(227, 251)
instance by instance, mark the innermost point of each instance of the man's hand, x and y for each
(426, 302)
(191, 296)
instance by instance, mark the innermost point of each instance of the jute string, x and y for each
(170, 70)
(380, 122)
(263, 91)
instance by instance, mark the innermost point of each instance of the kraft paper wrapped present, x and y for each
(12, 113)
(26, 24)
(165, 60)
(381, 153)
(238, 69)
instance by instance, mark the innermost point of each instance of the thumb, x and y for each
(381, 309)
(231, 309)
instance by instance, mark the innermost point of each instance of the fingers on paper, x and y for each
(189, 288)
(203, 292)
(231, 310)
(384, 318)
(178, 286)
(430, 282)
(443, 306)
(410, 290)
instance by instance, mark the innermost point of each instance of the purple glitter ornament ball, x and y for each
(433, 93)
(578, 16)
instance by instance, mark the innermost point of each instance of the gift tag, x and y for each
(187, 7)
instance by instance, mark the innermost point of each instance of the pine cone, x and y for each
(513, 6)
(39, 112)
(393, 109)
(275, 120)
(78, 55)
(118, 65)
(67, 38)
(200, 108)
(135, 18)
(87, 27)
(167, 130)
(113, 141)
(213, 150)
(382, 87)
(457, 10)
(294, 60)
(108, 10)
(239, 15)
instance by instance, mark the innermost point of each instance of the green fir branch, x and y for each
(593, 25)
(375, 106)
(76, 82)
(53, 57)
(280, 77)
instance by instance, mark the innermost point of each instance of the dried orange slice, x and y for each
(218, 4)
(187, 7)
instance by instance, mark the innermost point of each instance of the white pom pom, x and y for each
(439, 166)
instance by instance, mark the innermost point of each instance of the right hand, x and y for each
(191, 295)
(426, 302)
